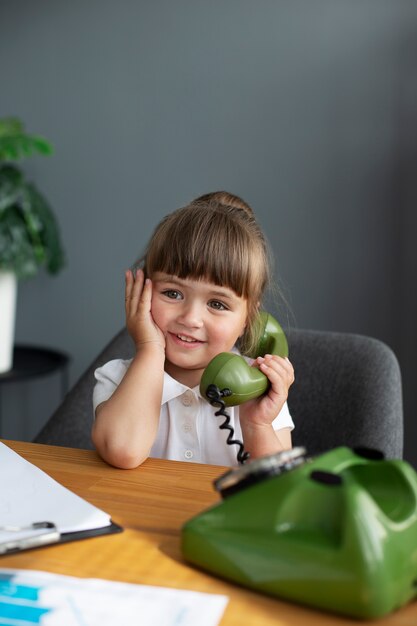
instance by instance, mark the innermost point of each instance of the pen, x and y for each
(51, 535)
(34, 526)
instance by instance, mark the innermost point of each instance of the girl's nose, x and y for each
(191, 316)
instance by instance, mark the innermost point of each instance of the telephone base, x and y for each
(338, 532)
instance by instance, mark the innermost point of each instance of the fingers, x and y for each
(138, 305)
(279, 371)
(263, 410)
(138, 292)
(129, 280)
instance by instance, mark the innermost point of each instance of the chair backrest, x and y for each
(347, 392)
(70, 425)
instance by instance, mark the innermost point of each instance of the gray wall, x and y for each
(305, 108)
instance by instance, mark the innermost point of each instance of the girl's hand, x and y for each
(139, 321)
(263, 410)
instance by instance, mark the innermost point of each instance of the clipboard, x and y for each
(41, 534)
(36, 510)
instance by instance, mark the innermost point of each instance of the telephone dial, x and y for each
(337, 532)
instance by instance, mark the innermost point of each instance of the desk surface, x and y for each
(151, 503)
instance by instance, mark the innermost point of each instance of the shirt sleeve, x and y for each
(283, 419)
(108, 378)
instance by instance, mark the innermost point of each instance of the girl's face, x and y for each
(199, 320)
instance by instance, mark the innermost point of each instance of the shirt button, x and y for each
(187, 398)
(188, 454)
(186, 428)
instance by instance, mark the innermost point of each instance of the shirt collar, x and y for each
(173, 389)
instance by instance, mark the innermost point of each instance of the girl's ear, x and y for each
(257, 311)
(245, 326)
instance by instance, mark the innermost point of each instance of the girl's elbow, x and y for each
(122, 457)
(118, 454)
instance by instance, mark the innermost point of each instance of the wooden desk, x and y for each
(151, 503)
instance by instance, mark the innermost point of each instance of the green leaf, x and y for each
(17, 147)
(33, 224)
(41, 146)
(47, 231)
(29, 232)
(11, 182)
(11, 126)
(16, 144)
(16, 252)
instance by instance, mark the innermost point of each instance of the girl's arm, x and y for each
(256, 416)
(127, 423)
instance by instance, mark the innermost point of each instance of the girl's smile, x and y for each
(199, 320)
(189, 342)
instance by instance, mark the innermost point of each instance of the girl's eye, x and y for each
(218, 306)
(173, 294)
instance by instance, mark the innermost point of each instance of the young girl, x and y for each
(204, 273)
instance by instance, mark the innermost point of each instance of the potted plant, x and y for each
(29, 234)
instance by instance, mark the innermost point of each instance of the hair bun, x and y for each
(224, 199)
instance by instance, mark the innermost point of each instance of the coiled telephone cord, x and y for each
(214, 396)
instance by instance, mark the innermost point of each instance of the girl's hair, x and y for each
(215, 238)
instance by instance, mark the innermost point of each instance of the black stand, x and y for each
(31, 362)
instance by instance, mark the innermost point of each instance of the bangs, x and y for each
(215, 238)
(207, 245)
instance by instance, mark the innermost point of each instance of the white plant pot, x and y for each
(8, 291)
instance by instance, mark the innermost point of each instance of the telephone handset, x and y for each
(232, 375)
(228, 380)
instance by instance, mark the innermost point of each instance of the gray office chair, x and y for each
(347, 392)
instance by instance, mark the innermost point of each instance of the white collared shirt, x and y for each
(188, 429)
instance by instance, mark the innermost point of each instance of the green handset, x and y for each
(232, 375)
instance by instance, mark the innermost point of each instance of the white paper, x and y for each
(29, 495)
(54, 600)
